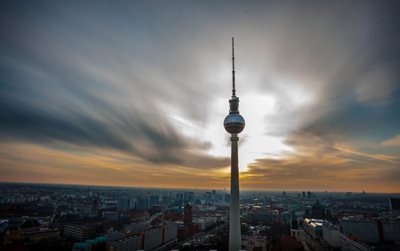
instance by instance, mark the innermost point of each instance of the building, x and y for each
(114, 235)
(142, 203)
(123, 204)
(78, 232)
(111, 215)
(391, 231)
(138, 228)
(254, 243)
(318, 210)
(298, 234)
(288, 243)
(366, 231)
(170, 232)
(313, 227)
(394, 204)
(187, 221)
(152, 238)
(205, 223)
(372, 231)
(40, 236)
(98, 244)
(348, 244)
(262, 215)
(330, 234)
(126, 244)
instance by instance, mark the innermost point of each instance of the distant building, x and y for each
(330, 234)
(188, 197)
(298, 234)
(313, 227)
(366, 231)
(98, 244)
(154, 200)
(318, 210)
(187, 221)
(288, 243)
(138, 228)
(179, 199)
(262, 215)
(142, 203)
(78, 232)
(152, 238)
(355, 235)
(112, 235)
(348, 244)
(111, 215)
(126, 244)
(227, 198)
(170, 232)
(391, 231)
(394, 204)
(123, 204)
(205, 223)
(159, 237)
(254, 242)
(40, 236)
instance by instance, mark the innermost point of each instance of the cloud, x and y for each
(393, 142)
(376, 86)
(60, 163)
(319, 164)
(66, 92)
(146, 80)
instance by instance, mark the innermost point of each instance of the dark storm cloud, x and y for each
(359, 121)
(19, 122)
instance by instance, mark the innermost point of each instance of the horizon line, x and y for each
(182, 188)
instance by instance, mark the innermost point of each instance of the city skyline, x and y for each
(134, 94)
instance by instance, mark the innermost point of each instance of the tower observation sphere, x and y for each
(234, 122)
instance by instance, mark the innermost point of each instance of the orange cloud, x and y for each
(22, 162)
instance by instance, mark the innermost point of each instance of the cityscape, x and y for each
(70, 217)
(199, 125)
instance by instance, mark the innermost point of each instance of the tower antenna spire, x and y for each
(233, 69)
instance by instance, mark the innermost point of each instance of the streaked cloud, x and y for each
(323, 165)
(143, 87)
(393, 142)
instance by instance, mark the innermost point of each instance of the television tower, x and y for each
(234, 124)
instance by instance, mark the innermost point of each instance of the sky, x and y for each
(134, 93)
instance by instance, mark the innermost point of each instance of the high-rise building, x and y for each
(187, 220)
(123, 204)
(152, 238)
(234, 123)
(142, 203)
(170, 232)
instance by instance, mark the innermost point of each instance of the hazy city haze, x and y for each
(134, 93)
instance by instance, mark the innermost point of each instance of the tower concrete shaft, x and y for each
(235, 238)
